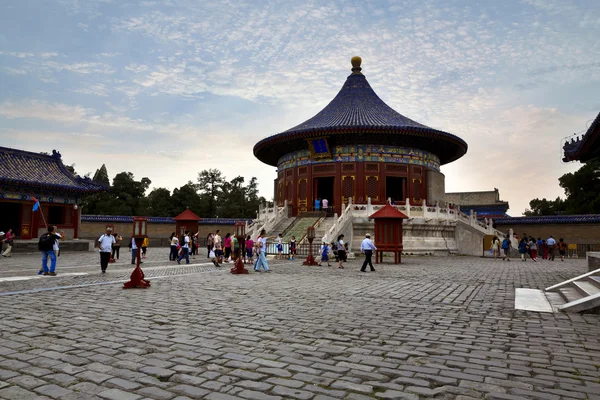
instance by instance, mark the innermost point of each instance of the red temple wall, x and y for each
(358, 180)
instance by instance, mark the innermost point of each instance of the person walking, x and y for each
(227, 246)
(317, 204)
(341, 248)
(544, 250)
(533, 249)
(210, 243)
(523, 248)
(496, 247)
(116, 247)
(144, 247)
(105, 244)
(506, 247)
(280, 247)
(173, 241)
(8, 239)
(194, 245)
(249, 249)
(133, 247)
(218, 246)
(562, 249)
(46, 246)
(292, 245)
(551, 247)
(324, 251)
(325, 204)
(185, 249)
(367, 247)
(261, 259)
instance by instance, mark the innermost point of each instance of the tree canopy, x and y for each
(582, 190)
(211, 196)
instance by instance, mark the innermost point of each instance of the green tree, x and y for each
(126, 196)
(101, 176)
(582, 189)
(539, 207)
(160, 203)
(187, 197)
(210, 185)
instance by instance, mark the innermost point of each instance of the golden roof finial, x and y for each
(356, 61)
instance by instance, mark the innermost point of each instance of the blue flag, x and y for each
(36, 205)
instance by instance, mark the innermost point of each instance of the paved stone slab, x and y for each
(434, 327)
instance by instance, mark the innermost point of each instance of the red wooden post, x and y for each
(240, 232)
(139, 234)
(310, 235)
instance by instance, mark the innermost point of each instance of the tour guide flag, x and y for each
(36, 206)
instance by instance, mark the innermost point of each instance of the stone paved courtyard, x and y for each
(439, 328)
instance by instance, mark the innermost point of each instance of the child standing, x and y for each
(324, 254)
(280, 247)
(293, 248)
(144, 247)
(562, 249)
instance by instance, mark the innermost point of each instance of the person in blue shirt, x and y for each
(523, 248)
(506, 245)
(317, 204)
(367, 247)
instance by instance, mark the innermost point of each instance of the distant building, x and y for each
(485, 204)
(24, 176)
(585, 148)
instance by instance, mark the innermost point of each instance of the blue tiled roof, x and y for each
(159, 220)
(24, 168)
(551, 219)
(358, 111)
(587, 147)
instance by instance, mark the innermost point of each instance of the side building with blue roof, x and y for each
(25, 176)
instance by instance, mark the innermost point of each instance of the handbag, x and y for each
(212, 254)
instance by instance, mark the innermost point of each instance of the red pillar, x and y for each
(35, 224)
(75, 220)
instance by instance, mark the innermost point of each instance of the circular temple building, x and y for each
(358, 147)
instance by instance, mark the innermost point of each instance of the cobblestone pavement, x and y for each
(441, 328)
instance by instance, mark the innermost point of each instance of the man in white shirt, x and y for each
(105, 243)
(325, 203)
(367, 247)
(551, 247)
(185, 249)
(218, 246)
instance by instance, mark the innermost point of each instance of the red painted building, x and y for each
(25, 175)
(358, 147)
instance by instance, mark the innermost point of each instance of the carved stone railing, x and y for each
(340, 223)
(268, 218)
(432, 214)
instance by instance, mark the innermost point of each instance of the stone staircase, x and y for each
(579, 294)
(323, 228)
(298, 228)
(282, 226)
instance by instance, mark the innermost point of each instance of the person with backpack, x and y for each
(105, 244)
(506, 245)
(46, 246)
(185, 248)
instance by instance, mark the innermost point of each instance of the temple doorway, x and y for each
(10, 217)
(395, 188)
(324, 190)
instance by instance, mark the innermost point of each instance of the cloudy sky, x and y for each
(165, 89)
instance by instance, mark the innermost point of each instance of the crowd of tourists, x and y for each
(528, 246)
(228, 249)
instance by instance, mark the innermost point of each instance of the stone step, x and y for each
(595, 280)
(570, 294)
(532, 300)
(586, 288)
(582, 304)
